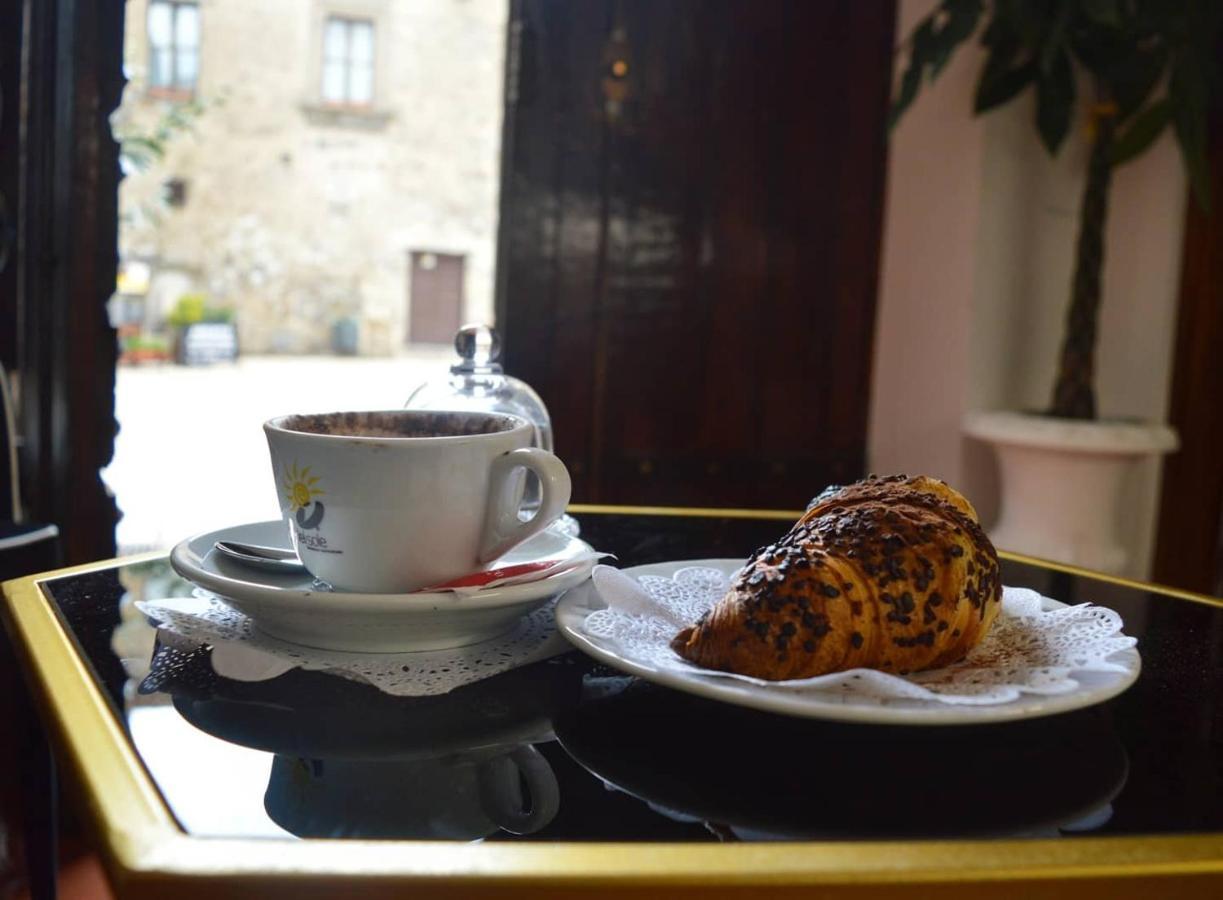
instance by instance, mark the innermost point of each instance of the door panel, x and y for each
(436, 307)
(1189, 550)
(690, 238)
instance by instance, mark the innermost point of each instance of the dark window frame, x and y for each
(65, 186)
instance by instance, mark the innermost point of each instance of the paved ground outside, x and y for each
(190, 455)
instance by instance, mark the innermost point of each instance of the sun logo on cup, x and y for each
(301, 490)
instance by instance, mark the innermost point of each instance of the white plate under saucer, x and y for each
(577, 604)
(291, 608)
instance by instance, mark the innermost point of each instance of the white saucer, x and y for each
(291, 608)
(577, 604)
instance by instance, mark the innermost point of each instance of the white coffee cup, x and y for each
(393, 501)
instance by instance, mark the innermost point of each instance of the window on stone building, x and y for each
(174, 45)
(348, 61)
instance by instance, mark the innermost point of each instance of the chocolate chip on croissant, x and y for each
(889, 573)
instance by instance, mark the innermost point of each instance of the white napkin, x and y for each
(628, 597)
(1027, 651)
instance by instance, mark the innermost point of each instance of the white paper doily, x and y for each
(1039, 657)
(242, 652)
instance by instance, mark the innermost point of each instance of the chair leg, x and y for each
(41, 808)
(39, 795)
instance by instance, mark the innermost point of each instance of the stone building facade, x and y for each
(317, 159)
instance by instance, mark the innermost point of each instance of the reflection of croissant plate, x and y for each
(752, 772)
(890, 573)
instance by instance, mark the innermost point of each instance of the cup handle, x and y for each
(500, 782)
(502, 528)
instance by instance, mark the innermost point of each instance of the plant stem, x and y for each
(1074, 394)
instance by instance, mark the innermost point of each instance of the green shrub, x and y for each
(145, 342)
(192, 309)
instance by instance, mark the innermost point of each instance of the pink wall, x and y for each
(924, 318)
(977, 253)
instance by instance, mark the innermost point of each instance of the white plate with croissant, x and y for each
(882, 604)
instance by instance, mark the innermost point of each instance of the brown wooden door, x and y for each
(435, 297)
(689, 240)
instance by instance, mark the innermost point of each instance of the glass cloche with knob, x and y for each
(477, 382)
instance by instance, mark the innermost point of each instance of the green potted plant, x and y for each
(136, 347)
(1130, 70)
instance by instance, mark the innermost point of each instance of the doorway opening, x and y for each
(435, 296)
(266, 202)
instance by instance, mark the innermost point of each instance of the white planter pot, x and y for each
(1061, 483)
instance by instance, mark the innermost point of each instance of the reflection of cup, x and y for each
(395, 501)
(462, 797)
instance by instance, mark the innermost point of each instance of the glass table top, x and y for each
(568, 750)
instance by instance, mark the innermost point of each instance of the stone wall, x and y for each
(296, 215)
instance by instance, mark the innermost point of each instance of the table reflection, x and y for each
(351, 761)
(753, 776)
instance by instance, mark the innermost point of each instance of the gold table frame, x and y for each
(148, 856)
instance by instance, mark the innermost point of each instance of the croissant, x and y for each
(889, 573)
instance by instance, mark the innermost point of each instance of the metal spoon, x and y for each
(271, 559)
